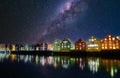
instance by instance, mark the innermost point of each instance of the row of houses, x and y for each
(92, 44)
(26, 47)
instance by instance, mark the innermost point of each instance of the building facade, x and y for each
(110, 43)
(93, 44)
(80, 45)
(65, 45)
(56, 45)
(37, 47)
(50, 47)
(43, 47)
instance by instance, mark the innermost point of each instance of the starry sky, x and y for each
(35, 21)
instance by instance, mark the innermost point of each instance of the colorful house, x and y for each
(50, 47)
(13, 47)
(65, 45)
(37, 47)
(21, 47)
(2, 47)
(26, 47)
(43, 46)
(56, 45)
(93, 44)
(80, 45)
(110, 43)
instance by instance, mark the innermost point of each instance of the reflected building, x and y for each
(80, 45)
(93, 44)
(80, 62)
(93, 64)
(111, 65)
(13, 57)
(65, 45)
(64, 62)
(4, 57)
(110, 43)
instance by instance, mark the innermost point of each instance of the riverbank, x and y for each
(106, 54)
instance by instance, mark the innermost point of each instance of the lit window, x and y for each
(118, 37)
(117, 44)
(79, 43)
(113, 38)
(97, 48)
(109, 38)
(114, 47)
(105, 47)
(92, 39)
(110, 47)
(110, 44)
(109, 35)
(117, 47)
(102, 47)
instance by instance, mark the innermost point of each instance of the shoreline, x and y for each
(103, 54)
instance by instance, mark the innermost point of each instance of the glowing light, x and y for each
(113, 38)
(93, 45)
(114, 47)
(102, 47)
(112, 72)
(109, 35)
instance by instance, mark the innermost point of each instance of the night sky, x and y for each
(35, 21)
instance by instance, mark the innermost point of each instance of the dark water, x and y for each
(31, 66)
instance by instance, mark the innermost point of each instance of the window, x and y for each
(102, 47)
(113, 38)
(114, 47)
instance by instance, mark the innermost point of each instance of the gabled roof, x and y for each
(80, 40)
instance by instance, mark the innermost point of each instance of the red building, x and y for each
(80, 45)
(110, 43)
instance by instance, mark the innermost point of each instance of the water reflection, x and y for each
(94, 64)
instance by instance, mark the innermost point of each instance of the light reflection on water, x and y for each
(94, 64)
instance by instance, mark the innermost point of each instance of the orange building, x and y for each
(80, 45)
(110, 43)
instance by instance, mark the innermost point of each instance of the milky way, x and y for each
(65, 16)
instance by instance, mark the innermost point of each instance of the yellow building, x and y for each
(93, 44)
(13, 48)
